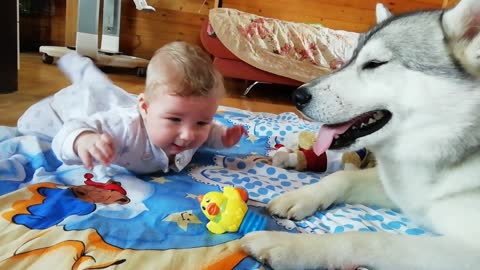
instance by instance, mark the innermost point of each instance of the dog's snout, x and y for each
(301, 97)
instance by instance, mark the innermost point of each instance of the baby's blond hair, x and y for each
(200, 78)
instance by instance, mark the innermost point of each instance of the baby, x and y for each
(95, 121)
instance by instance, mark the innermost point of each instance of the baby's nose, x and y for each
(187, 134)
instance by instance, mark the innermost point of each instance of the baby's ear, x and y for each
(142, 104)
(462, 28)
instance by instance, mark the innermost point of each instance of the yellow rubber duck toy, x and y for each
(225, 210)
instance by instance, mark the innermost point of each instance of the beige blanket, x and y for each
(295, 50)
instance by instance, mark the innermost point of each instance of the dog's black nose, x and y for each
(301, 97)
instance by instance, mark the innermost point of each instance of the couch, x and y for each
(232, 67)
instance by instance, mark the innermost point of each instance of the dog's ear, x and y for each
(462, 27)
(463, 21)
(382, 13)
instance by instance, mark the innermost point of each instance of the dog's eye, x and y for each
(373, 64)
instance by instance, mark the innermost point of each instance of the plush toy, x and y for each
(296, 153)
(360, 159)
(228, 211)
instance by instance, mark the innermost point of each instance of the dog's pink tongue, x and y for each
(326, 135)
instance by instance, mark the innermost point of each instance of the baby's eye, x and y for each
(174, 119)
(201, 123)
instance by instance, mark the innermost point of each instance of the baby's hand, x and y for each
(91, 146)
(233, 135)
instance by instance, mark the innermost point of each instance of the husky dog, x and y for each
(410, 93)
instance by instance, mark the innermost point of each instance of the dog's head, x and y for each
(409, 80)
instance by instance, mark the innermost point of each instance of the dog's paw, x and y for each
(275, 249)
(302, 202)
(282, 250)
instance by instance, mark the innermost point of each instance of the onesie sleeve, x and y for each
(114, 123)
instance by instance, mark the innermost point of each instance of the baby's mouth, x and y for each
(178, 148)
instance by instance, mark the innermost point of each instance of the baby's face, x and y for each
(176, 124)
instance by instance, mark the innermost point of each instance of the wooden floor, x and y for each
(37, 80)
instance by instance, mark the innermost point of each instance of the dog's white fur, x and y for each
(428, 153)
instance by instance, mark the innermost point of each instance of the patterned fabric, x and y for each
(294, 50)
(54, 217)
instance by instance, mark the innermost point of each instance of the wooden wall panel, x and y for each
(351, 15)
(189, 6)
(142, 31)
(70, 22)
(42, 23)
(57, 23)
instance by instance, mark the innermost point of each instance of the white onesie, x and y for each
(94, 103)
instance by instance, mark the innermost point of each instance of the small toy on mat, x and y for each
(228, 211)
(296, 152)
